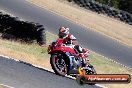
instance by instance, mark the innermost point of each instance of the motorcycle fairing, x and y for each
(75, 61)
(63, 49)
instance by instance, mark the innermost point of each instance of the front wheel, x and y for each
(58, 64)
(91, 70)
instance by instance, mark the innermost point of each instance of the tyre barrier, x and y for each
(105, 9)
(13, 28)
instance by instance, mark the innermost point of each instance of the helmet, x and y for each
(63, 32)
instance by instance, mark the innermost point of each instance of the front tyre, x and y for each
(91, 70)
(58, 64)
(80, 80)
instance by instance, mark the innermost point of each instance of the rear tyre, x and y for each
(58, 64)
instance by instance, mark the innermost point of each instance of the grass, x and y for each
(107, 66)
(33, 49)
(37, 55)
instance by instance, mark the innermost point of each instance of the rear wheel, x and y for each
(58, 64)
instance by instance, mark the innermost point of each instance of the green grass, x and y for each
(29, 49)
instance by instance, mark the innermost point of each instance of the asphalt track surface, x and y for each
(88, 38)
(21, 75)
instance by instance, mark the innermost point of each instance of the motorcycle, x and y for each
(65, 60)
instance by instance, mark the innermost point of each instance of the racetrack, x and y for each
(20, 75)
(88, 38)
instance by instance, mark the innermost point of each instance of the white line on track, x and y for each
(42, 68)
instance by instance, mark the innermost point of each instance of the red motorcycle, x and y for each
(65, 60)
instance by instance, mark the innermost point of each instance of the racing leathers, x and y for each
(69, 40)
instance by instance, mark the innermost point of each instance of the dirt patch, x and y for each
(32, 53)
(10, 49)
(2, 86)
(26, 57)
(101, 23)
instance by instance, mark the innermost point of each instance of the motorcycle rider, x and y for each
(68, 40)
